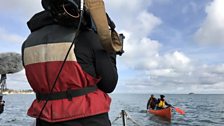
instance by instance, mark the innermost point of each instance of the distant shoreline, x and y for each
(6, 93)
(11, 91)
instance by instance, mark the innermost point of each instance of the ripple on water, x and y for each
(201, 110)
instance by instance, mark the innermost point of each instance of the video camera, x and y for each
(70, 13)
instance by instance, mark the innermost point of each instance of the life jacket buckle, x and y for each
(38, 97)
(69, 94)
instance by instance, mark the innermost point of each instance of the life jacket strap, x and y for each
(69, 94)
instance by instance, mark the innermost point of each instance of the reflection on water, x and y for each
(15, 110)
(201, 110)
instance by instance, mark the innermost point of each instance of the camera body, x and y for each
(69, 13)
(121, 37)
(65, 12)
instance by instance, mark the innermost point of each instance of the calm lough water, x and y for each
(201, 110)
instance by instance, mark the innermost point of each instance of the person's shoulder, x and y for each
(88, 33)
(90, 36)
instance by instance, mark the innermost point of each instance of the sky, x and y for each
(171, 46)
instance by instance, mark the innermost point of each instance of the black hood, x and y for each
(40, 20)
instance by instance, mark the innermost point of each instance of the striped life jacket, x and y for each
(43, 53)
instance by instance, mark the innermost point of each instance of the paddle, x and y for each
(180, 111)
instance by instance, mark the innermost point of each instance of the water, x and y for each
(201, 110)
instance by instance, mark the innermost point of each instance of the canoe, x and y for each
(165, 113)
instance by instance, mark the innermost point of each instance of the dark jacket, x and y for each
(151, 103)
(89, 53)
(93, 59)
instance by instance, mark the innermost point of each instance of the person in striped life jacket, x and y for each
(67, 68)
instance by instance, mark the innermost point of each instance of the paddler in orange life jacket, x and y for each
(161, 103)
(71, 86)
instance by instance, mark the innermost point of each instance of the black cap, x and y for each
(162, 96)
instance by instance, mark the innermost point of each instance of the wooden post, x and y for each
(123, 115)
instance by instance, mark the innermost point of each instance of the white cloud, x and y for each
(23, 7)
(168, 72)
(18, 12)
(136, 23)
(177, 71)
(141, 53)
(142, 56)
(10, 37)
(126, 5)
(177, 60)
(145, 23)
(150, 69)
(212, 29)
(125, 13)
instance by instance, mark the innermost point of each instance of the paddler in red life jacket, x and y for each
(71, 86)
(161, 103)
